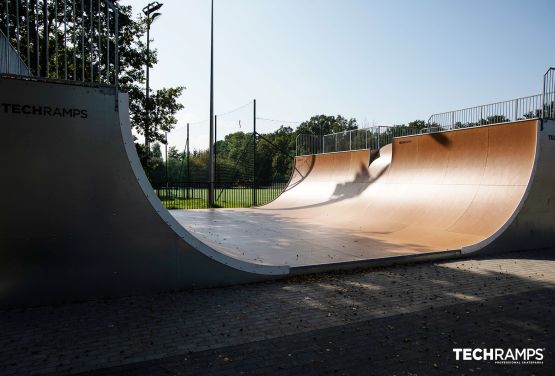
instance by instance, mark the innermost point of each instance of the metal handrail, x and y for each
(355, 139)
(492, 113)
(548, 99)
(530, 107)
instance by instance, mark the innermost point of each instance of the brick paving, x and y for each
(401, 320)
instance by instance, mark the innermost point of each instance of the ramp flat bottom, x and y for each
(275, 238)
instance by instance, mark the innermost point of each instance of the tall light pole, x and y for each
(211, 150)
(150, 14)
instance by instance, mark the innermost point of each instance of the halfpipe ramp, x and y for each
(79, 218)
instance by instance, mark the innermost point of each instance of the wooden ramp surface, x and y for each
(423, 194)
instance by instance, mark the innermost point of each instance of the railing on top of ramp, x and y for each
(356, 139)
(531, 107)
(494, 113)
(73, 41)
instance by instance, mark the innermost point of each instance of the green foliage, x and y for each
(418, 124)
(91, 66)
(324, 124)
(158, 114)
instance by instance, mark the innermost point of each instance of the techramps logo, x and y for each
(27, 109)
(501, 356)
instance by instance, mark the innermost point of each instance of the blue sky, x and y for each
(382, 62)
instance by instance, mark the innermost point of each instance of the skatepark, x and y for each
(428, 196)
(460, 187)
(334, 245)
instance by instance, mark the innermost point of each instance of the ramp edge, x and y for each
(163, 213)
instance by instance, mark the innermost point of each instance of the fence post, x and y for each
(7, 45)
(350, 140)
(215, 152)
(211, 155)
(116, 54)
(254, 154)
(188, 168)
(166, 152)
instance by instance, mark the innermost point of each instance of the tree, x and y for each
(418, 124)
(155, 166)
(95, 65)
(324, 124)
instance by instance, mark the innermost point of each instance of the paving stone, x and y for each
(403, 320)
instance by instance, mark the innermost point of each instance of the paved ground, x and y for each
(399, 320)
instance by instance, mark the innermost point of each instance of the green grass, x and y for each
(197, 198)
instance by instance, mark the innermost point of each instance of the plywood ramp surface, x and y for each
(425, 193)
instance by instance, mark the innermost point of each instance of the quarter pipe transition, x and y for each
(79, 218)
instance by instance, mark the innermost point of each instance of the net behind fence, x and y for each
(249, 170)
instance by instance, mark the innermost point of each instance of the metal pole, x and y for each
(28, 36)
(46, 42)
(542, 115)
(188, 169)
(83, 40)
(74, 41)
(18, 35)
(56, 39)
(108, 45)
(215, 151)
(321, 140)
(7, 48)
(99, 45)
(211, 150)
(91, 37)
(116, 51)
(147, 103)
(166, 160)
(65, 39)
(37, 46)
(254, 155)
(366, 136)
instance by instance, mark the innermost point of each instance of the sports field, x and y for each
(197, 198)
